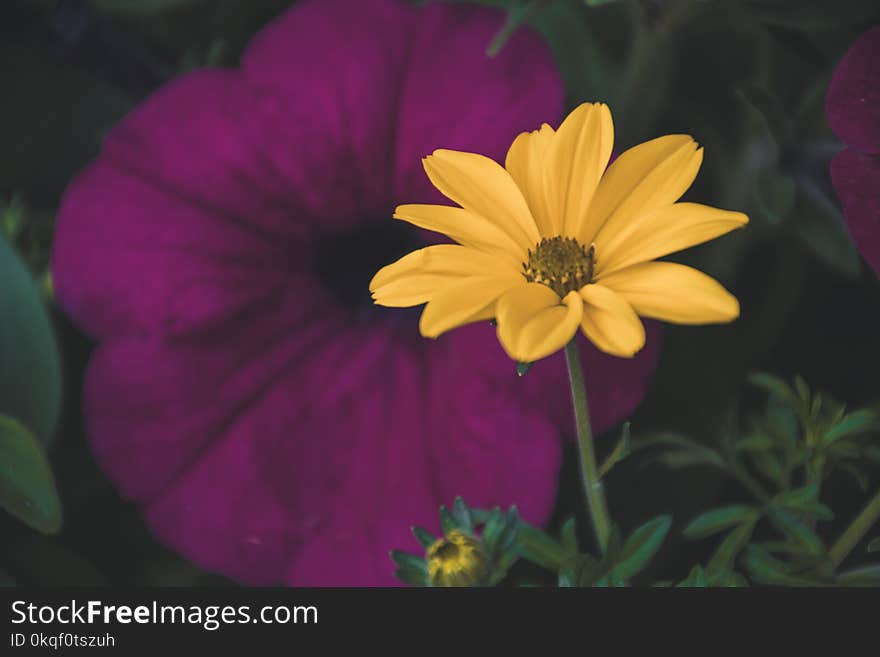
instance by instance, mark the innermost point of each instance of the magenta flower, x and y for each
(853, 109)
(270, 423)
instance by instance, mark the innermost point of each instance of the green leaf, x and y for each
(725, 554)
(695, 579)
(775, 195)
(874, 546)
(728, 579)
(862, 576)
(766, 569)
(772, 384)
(27, 488)
(796, 530)
(579, 570)
(425, 538)
(803, 500)
(568, 534)
(539, 548)
(621, 450)
(641, 546)
(30, 374)
(852, 424)
(717, 520)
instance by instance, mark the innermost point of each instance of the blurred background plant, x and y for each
(746, 77)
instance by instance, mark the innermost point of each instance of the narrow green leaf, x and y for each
(862, 576)
(621, 450)
(509, 531)
(796, 530)
(695, 579)
(30, 373)
(537, 547)
(717, 520)
(568, 535)
(27, 488)
(725, 554)
(775, 194)
(853, 423)
(803, 500)
(874, 546)
(766, 569)
(772, 384)
(641, 546)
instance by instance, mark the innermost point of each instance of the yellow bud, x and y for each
(457, 560)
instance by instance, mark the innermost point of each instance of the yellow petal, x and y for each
(644, 178)
(483, 187)
(674, 293)
(417, 276)
(464, 227)
(533, 322)
(462, 302)
(575, 160)
(610, 322)
(666, 231)
(525, 163)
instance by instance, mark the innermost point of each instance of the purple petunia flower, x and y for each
(272, 425)
(853, 109)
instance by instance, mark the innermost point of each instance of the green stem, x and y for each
(593, 488)
(854, 533)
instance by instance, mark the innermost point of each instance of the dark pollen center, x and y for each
(561, 263)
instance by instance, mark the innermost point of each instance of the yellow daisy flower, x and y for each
(554, 241)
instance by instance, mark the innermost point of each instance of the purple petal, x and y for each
(310, 458)
(455, 96)
(853, 102)
(856, 178)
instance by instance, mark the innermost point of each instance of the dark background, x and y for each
(747, 79)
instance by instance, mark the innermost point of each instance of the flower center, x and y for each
(561, 263)
(457, 560)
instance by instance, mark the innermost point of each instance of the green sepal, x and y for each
(523, 368)
(447, 521)
(425, 538)
(461, 514)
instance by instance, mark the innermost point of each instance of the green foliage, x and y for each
(802, 436)
(27, 488)
(30, 376)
